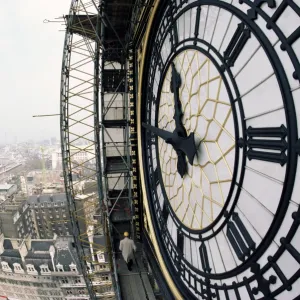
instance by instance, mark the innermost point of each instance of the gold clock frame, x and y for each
(162, 264)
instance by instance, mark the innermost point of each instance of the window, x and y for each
(44, 269)
(64, 280)
(77, 280)
(73, 267)
(101, 257)
(30, 268)
(5, 266)
(60, 268)
(18, 268)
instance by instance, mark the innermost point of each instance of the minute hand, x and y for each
(165, 135)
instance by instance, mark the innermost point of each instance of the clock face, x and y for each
(220, 146)
(198, 197)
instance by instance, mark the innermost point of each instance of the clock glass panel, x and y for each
(199, 196)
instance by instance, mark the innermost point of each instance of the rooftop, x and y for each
(6, 186)
(34, 199)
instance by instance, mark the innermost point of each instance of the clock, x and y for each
(219, 147)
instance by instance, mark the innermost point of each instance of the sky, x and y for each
(30, 68)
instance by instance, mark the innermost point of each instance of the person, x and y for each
(127, 247)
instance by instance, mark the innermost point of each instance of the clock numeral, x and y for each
(204, 259)
(180, 241)
(165, 213)
(239, 237)
(268, 138)
(197, 23)
(159, 59)
(155, 177)
(173, 30)
(236, 45)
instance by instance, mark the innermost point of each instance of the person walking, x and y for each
(127, 247)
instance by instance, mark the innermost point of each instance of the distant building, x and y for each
(50, 215)
(16, 219)
(23, 184)
(80, 154)
(56, 160)
(40, 270)
(8, 189)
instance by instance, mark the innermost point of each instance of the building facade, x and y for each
(50, 215)
(40, 270)
(16, 219)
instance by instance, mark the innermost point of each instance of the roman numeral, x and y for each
(239, 237)
(159, 59)
(155, 177)
(165, 213)
(267, 138)
(173, 30)
(197, 23)
(180, 241)
(204, 258)
(150, 141)
(236, 45)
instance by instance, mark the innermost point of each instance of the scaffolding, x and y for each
(99, 139)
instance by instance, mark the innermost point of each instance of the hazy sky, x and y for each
(30, 67)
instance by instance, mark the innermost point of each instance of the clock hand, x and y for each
(165, 135)
(174, 87)
(186, 145)
(181, 163)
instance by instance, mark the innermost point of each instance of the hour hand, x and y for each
(174, 87)
(185, 145)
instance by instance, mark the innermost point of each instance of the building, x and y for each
(40, 270)
(56, 160)
(16, 219)
(50, 215)
(8, 189)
